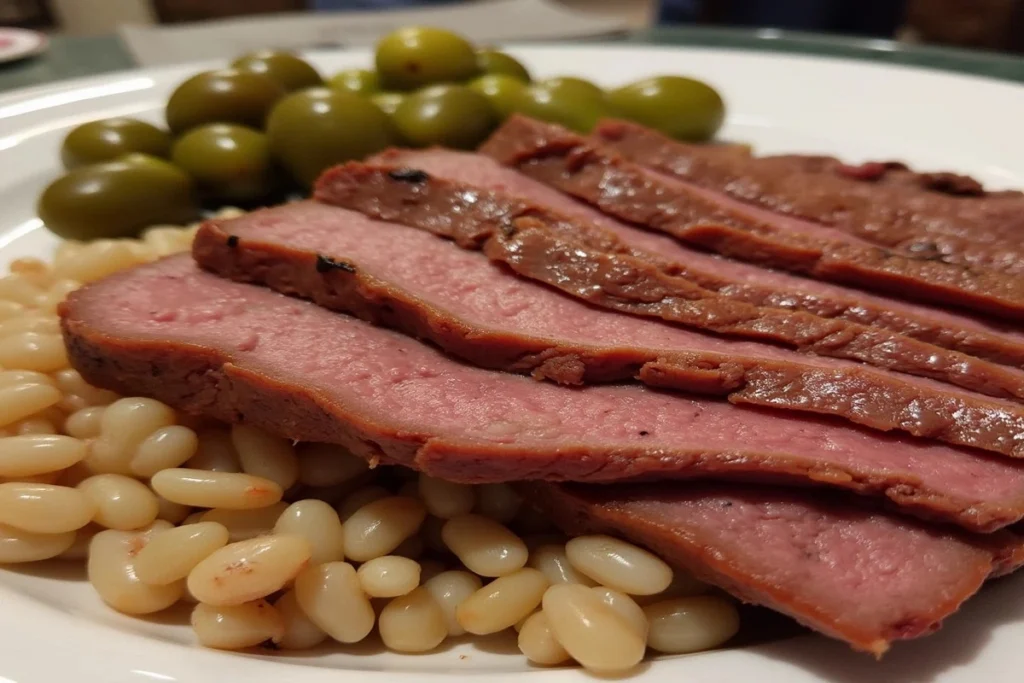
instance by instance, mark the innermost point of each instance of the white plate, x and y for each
(18, 43)
(52, 626)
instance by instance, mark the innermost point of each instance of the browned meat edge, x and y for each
(588, 509)
(468, 215)
(575, 165)
(630, 285)
(875, 202)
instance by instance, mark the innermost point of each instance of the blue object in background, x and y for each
(679, 11)
(864, 17)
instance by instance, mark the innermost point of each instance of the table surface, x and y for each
(72, 57)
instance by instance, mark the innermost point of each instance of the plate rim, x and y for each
(316, 674)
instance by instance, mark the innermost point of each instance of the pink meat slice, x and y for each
(861, 576)
(383, 394)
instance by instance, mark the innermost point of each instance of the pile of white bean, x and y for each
(292, 545)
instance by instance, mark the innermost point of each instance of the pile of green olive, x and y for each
(269, 124)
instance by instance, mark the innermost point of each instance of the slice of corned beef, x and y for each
(243, 353)
(529, 239)
(901, 215)
(725, 225)
(850, 573)
(736, 280)
(408, 279)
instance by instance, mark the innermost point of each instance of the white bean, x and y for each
(170, 556)
(10, 378)
(332, 598)
(450, 589)
(44, 324)
(18, 545)
(35, 425)
(682, 625)
(322, 465)
(619, 565)
(538, 642)
(245, 524)
(412, 623)
(318, 523)
(203, 489)
(18, 289)
(248, 570)
(215, 452)
(265, 455)
(10, 309)
(389, 576)
(625, 607)
(500, 502)
(121, 502)
(300, 633)
(358, 498)
(503, 602)
(163, 449)
(551, 559)
(592, 632)
(484, 546)
(379, 527)
(445, 499)
(33, 351)
(70, 382)
(19, 401)
(44, 508)
(111, 569)
(123, 426)
(233, 627)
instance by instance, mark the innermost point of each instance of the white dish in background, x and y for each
(54, 627)
(19, 43)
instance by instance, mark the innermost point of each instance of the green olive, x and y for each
(229, 163)
(682, 108)
(106, 140)
(117, 198)
(503, 92)
(413, 57)
(359, 81)
(572, 103)
(224, 96)
(290, 72)
(388, 101)
(447, 115)
(496, 62)
(569, 86)
(314, 129)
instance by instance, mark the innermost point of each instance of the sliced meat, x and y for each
(728, 226)
(853, 574)
(898, 210)
(407, 279)
(734, 279)
(238, 353)
(624, 283)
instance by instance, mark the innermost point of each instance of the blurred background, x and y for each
(984, 24)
